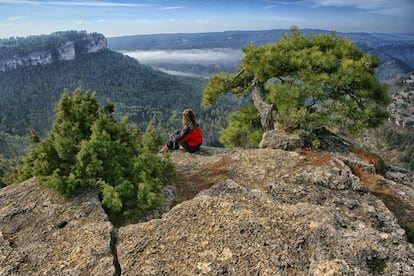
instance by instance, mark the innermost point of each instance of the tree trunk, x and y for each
(265, 109)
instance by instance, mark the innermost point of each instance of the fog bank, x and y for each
(206, 57)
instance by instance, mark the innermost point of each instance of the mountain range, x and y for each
(394, 50)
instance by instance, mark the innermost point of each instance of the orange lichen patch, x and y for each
(365, 177)
(361, 154)
(316, 158)
(371, 181)
(189, 184)
(371, 158)
(398, 206)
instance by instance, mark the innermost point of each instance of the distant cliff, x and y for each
(45, 49)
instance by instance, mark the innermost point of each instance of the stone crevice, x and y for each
(114, 251)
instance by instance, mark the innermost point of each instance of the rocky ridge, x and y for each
(67, 50)
(264, 211)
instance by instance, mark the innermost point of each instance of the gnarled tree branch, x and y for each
(265, 109)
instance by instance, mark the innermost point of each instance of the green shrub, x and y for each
(88, 148)
(243, 129)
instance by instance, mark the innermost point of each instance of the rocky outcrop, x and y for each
(401, 108)
(232, 230)
(43, 234)
(276, 139)
(275, 213)
(36, 58)
(67, 49)
(238, 212)
(94, 43)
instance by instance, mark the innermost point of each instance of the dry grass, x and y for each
(371, 158)
(190, 183)
(315, 158)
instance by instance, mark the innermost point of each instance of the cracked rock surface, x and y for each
(43, 234)
(274, 214)
(251, 212)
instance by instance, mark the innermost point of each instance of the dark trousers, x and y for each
(174, 146)
(189, 148)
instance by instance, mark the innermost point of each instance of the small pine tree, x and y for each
(88, 148)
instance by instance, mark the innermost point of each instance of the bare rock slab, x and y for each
(43, 234)
(233, 230)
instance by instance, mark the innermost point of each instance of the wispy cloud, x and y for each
(80, 22)
(74, 3)
(15, 18)
(171, 8)
(385, 7)
(202, 21)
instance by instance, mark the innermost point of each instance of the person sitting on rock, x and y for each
(189, 137)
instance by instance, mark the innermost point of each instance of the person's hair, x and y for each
(189, 119)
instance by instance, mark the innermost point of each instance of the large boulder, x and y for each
(43, 234)
(276, 139)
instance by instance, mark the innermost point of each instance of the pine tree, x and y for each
(306, 83)
(88, 148)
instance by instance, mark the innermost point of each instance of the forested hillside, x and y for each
(28, 94)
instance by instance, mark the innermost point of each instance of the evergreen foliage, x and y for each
(243, 128)
(89, 148)
(310, 82)
(402, 141)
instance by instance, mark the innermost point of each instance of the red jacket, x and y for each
(193, 138)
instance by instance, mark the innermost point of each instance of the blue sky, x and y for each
(127, 17)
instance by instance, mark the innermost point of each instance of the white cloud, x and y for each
(14, 18)
(171, 8)
(73, 3)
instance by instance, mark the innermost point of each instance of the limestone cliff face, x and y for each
(67, 50)
(95, 43)
(239, 212)
(36, 58)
